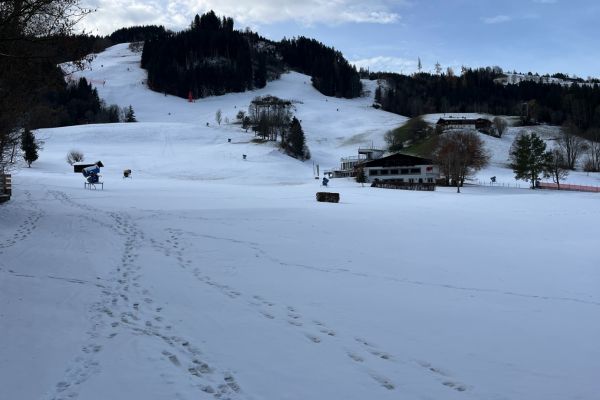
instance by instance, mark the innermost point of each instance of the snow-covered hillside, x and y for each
(207, 276)
(334, 127)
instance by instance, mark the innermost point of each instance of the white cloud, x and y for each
(387, 64)
(497, 19)
(114, 14)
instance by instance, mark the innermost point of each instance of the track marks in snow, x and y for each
(383, 381)
(366, 354)
(315, 331)
(443, 376)
(372, 349)
(126, 307)
(29, 224)
(144, 317)
(256, 247)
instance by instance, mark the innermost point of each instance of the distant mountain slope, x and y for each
(478, 90)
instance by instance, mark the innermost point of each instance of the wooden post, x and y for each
(5, 188)
(8, 185)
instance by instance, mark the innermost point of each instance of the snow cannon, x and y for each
(91, 173)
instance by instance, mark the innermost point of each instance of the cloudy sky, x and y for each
(543, 36)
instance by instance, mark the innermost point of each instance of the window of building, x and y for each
(373, 172)
(415, 170)
(430, 180)
(411, 180)
(394, 172)
(384, 171)
(404, 171)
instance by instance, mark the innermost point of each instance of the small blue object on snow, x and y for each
(91, 174)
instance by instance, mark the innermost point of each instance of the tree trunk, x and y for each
(12, 155)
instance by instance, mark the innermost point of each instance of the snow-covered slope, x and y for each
(333, 127)
(207, 276)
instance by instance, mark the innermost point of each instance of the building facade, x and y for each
(480, 124)
(400, 168)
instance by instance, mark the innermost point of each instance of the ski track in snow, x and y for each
(365, 354)
(125, 307)
(334, 270)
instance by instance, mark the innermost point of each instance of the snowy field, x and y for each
(207, 276)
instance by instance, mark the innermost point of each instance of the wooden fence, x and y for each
(5, 188)
(404, 185)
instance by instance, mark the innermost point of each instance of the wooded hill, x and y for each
(212, 58)
(475, 91)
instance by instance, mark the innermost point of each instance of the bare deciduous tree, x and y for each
(592, 162)
(459, 154)
(556, 166)
(571, 144)
(74, 156)
(500, 124)
(271, 116)
(219, 116)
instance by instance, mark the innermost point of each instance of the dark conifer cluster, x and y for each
(137, 34)
(73, 103)
(212, 58)
(475, 91)
(331, 73)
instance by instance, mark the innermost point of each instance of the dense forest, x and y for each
(72, 103)
(50, 98)
(212, 58)
(475, 91)
(137, 34)
(331, 73)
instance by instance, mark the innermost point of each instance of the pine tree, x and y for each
(529, 159)
(130, 115)
(296, 142)
(29, 146)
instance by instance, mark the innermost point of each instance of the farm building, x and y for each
(480, 124)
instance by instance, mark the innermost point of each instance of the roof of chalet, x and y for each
(397, 160)
(464, 121)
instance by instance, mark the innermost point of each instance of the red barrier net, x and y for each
(566, 186)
